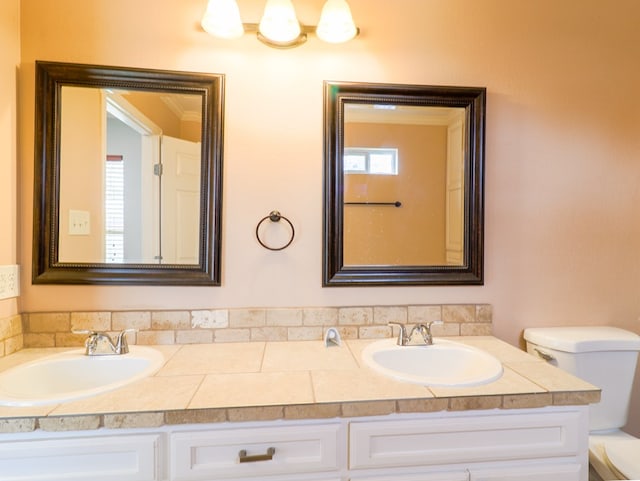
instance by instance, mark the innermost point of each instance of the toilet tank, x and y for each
(603, 356)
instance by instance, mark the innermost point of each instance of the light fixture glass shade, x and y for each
(222, 19)
(279, 22)
(336, 23)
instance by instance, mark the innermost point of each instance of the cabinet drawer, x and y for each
(100, 458)
(462, 439)
(431, 476)
(558, 472)
(214, 454)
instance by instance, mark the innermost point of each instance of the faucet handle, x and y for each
(92, 335)
(402, 335)
(431, 323)
(122, 346)
(425, 331)
(125, 331)
(83, 331)
(428, 325)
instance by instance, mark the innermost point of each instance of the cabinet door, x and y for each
(95, 458)
(558, 472)
(465, 440)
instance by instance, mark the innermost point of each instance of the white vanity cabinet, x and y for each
(484, 445)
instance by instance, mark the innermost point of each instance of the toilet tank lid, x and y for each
(583, 339)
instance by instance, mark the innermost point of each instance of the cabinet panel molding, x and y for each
(213, 454)
(464, 439)
(95, 458)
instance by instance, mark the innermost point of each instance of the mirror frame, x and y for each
(473, 100)
(50, 78)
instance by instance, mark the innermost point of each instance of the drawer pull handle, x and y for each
(243, 458)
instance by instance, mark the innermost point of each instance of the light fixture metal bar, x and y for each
(296, 42)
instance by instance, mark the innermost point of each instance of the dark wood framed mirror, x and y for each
(403, 184)
(128, 176)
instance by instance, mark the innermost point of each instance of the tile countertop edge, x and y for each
(559, 389)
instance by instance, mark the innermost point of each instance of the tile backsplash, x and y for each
(11, 336)
(54, 329)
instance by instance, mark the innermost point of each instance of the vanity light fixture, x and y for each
(222, 19)
(279, 26)
(279, 23)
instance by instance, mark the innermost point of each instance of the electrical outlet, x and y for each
(9, 281)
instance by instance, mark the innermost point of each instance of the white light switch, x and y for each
(79, 222)
(9, 281)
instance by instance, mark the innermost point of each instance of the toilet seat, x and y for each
(612, 454)
(623, 457)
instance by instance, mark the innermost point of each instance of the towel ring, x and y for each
(275, 216)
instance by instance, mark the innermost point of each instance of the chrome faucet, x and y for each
(100, 343)
(404, 339)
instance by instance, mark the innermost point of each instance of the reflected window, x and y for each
(114, 209)
(366, 160)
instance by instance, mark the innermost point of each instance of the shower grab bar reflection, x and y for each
(397, 203)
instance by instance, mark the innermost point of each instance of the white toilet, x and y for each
(605, 357)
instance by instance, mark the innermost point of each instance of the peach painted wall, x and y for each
(562, 145)
(9, 64)
(82, 151)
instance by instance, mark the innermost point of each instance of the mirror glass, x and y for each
(136, 200)
(128, 166)
(403, 184)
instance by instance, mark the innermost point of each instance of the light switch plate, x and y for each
(79, 222)
(9, 281)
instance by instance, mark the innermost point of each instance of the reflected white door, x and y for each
(454, 218)
(180, 204)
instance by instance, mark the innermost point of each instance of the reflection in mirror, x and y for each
(397, 160)
(127, 176)
(403, 184)
(144, 174)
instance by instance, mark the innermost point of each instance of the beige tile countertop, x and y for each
(290, 380)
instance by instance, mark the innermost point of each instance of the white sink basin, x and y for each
(444, 363)
(73, 375)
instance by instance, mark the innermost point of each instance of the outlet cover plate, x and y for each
(9, 281)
